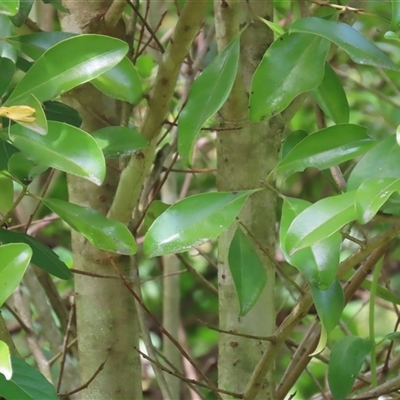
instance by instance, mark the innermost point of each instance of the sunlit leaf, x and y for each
(207, 95)
(346, 359)
(42, 256)
(319, 262)
(25, 7)
(193, 221)
(56, 72)
(5, 361)
(380, 162)
(9, 7)
(331, 97)
(372, 194)
(64, 147)
(360, 49)
(103, 233)
(327, 147)
(319, 221)
(280, 76)
(247, 271)
(14, 259)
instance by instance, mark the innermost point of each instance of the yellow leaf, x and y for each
(18, 113)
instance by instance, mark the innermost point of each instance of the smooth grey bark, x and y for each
(246, 155)
(106, 317)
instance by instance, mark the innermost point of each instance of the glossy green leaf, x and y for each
(42, 256)
(327, 147)
(390, 35)
(9, 7)
(56, 111)
(372, 194)
(14, 259)
(206, 96)
(346, 359)
(331, 97)
(7, 68)
(319, 262)
(380, 162)
(64, 147)
(6, 194)
(117, 141)
(6, 151)
(329, 304)
(25, 7)
(360, 49)
(247, 271)
(23, 169)
(292, 141)
(27, 383)
(35, 44)
(103, 233)
(193, 221)
(5, 361)
(319, 221)
(395, 23)
(156, 208)
(56, 72)
(40, 123)
(6, 29)
(280, 76)
(121, 82)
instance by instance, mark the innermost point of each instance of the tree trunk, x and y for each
(106, 317)
(246, 155)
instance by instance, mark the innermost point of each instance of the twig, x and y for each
(86, 384)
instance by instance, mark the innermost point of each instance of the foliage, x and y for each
(338, 179)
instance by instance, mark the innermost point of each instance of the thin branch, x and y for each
(86, 384)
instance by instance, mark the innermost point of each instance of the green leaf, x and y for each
(56, 71)
(392, 36)
(121, 82)
(372, 194)
(6, 194)
(56, 111)
(23, 169)
(6, 29)
(15, 259)
(319, 262)
(360, 49)
(327, 147)
(347, 357)
(247, 270)
(193, 221)
(319, 221)
(40, 123)
(7, 68)
(42, 256)
(145, 65)
(329, 304)
(395, 23)
(380, 162)
(9, 7)
(156, 208)
(117, 141)
(25, 7)
(64, 147)
(5, 361)
(27, 383)
(35, 44)
(206, 96)
(293, 139)
(331, 97)
(103, 233)
(6, 151)
(280, 76)
(393, 336)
